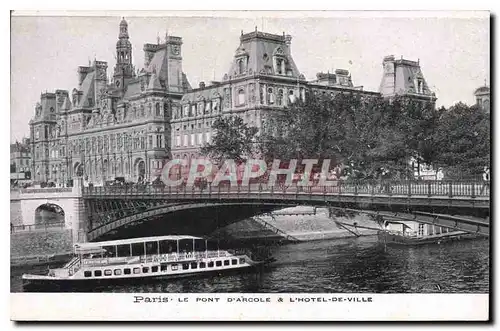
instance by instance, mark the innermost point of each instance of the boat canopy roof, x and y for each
(92, 245)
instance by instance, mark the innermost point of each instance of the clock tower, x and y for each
(124, 70)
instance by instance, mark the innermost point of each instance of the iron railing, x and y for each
(37, 227)
(450, 189)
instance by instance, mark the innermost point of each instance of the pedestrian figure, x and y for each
(486, 180)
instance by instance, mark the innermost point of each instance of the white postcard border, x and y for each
(265, 307)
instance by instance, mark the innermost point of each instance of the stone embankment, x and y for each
(40, 246)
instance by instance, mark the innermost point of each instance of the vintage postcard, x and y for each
(242, 166)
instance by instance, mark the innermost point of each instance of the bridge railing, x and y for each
(37, 227)
(46, 190)
(373, 188)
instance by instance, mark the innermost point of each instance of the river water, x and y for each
(351, 265)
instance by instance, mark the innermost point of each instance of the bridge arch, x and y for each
(245, 210)
(49, 213)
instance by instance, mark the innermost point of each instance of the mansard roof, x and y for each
(260, 48)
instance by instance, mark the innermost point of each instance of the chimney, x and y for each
(288, 43)
(82, 73)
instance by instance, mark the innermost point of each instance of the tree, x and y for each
(462, 140)
(369, 136)
(233, 139)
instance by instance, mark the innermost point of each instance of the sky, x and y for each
(453, 48)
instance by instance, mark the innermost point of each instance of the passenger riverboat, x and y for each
(145, 258)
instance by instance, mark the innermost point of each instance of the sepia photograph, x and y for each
(242, 162)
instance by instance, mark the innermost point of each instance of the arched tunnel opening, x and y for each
(48, 214)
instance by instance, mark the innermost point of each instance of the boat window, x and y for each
(98, 273)
(168, 246)
(163, 267)
(211, 264)
(107, 272)
(137, 270)
(199, 245)
(185, 266)
(126, 271)
(194, 265)
(138, 249)
(145, 270)
(218, 263)
(174, 267)
(185, 245)
(242, 260)
(110, 251)
(87, 273)
(234, 261)
(118, 272)
(202, 265)
(151, 248)
(212, 245)
(154, 269)
(123, 250)
(226, 262)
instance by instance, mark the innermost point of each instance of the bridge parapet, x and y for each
(46, 190)
(448, 189)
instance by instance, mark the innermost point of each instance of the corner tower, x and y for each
(404, 77)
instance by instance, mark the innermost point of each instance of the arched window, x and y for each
(241, 97)
(270, 96)
(280, 97)
(158, 111)
(291, 96)
(165, 109)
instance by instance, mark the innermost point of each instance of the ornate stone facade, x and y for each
(108, 129)
(263, 78)
(130, 126)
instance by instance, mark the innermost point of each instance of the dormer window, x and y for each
(420, 86)
(241, 66)
(280, 66)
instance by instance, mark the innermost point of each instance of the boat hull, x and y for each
(392, 239)
(50, 284)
